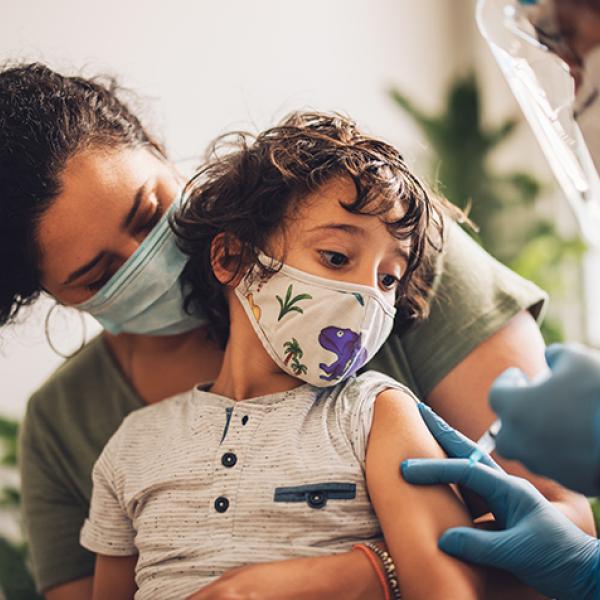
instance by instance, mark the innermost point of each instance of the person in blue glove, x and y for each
(552, 425)
(537, 543)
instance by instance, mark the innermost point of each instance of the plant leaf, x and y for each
(300, 297)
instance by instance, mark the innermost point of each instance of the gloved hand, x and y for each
(552, 425)
(538, 543)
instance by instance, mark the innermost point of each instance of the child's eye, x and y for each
(333, 259)
(388, 282)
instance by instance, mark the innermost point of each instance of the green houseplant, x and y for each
(16, 581)
(502, 205)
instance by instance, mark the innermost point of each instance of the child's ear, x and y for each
(225, 259)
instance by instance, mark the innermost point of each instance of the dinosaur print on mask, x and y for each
(345, 343)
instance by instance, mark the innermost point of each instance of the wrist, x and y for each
(587, 579)
(364, 583)
(595, 574)
(383, 567)
(353, 578)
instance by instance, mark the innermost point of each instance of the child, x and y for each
(300, 244)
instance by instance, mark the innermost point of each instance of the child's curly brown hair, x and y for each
(251, 183)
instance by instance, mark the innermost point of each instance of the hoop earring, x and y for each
(49, 340)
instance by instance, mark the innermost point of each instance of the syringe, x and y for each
(486, 443)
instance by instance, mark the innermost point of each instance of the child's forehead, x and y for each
(335, 195)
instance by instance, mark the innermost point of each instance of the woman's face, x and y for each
(110, 200)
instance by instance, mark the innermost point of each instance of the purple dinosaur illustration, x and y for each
(346, 344)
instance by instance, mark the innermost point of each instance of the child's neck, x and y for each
(247, 370)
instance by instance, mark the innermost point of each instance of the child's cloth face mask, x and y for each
(145, 296)
(318, 330)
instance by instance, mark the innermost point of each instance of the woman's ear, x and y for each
(226, 259)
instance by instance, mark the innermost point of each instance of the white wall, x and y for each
(204, 67)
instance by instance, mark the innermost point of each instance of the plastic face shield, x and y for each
(527, 45)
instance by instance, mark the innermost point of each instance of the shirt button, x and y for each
(228, 459)
(317, 499)
(221, 504)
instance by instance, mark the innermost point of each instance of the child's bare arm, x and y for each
(114, 577)
(413, 518)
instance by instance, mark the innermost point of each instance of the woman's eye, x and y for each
(387, 281)
(94, 286)
(334, 259)
(152, 221)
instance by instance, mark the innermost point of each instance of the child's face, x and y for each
(324, 239)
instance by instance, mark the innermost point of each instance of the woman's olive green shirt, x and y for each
(75, 412)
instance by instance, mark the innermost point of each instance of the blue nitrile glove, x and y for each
(552, 425)
(538, 543)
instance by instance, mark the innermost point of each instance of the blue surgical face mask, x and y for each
(145, 295)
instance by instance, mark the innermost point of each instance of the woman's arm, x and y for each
(114, 578)
(412, 518)
(80, 589)
(465, 406)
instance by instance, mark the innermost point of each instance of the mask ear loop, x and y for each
(49, 340)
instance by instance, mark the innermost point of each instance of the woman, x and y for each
(81, 185)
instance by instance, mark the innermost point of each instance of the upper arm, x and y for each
(461, 396)
(461, 399)
(80, 589)
(115, 577)
(53, 515)
(414, 517)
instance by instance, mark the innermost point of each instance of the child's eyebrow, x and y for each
(345, 227)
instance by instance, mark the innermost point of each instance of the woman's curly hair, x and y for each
(46, 118)
(250, 184)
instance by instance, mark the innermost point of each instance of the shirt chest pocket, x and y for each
(322, 513)
(316, 495)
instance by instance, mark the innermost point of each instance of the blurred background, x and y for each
(415, 73)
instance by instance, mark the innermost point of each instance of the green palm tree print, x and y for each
(294, 353)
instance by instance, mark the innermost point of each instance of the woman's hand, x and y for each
(347, 576)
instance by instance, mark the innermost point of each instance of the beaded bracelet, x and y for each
(390, 569)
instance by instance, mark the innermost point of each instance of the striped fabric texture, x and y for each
(199, 484)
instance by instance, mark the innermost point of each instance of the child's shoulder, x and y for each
(368, 385)
(152, 418)
(354, 405)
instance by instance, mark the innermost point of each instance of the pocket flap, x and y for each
(316, 495)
